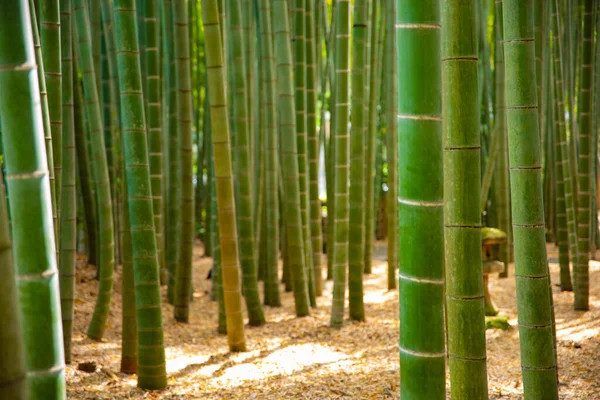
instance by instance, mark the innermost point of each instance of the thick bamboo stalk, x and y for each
(30, 206)
(462, 214)
(534, 305)
(421, 248)
(151, 351)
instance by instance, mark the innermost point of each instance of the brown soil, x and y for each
(302, 358)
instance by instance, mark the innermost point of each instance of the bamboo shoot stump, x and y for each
(491, 238)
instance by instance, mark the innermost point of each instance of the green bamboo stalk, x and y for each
(30, 207)
(50, 40)
(312, 40)
(539, 21)
(391, 106)
(567, 24)
(561, 211)
(538, 362)
(299, 48)
(68, 233)
(243, 177)
(581, 267)
(269, 235)
(270, 239)
(209, 179)
(151, 351)
(85, 182)
(155, 135)
(595, 226)
(110, 96)
(559, 104)
(183, 273)
(223, 176)
(358, 134)
(45, 117)
(294, 242)
(338, 249)
(216, 251)
(501, 179)
(421, 243)
(99, 170)
(12, 364)
(109, 123)
(96, 39)
(173, 226)
(462, 188)
(109, 37)
(370, 138)
(129, 335)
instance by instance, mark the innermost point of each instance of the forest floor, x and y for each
(302, 358)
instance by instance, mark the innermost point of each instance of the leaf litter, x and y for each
(302, 358)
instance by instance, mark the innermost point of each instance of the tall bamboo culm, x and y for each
(68, 233)
(501, 178)
(155, 132)
(538, 362)
(173, 220)
(289, 160)
(358, 133)
(338, 249)
(462, 214)
(244, 182)
(99, 170)
(12, 364)
(299, 43)
(151, 352)
(391, 123)
(373, 67)
(223, 176)
(184, 126)
(30, 205)
(313, 54)
(268, 208)
(420, 196)
(50, 40)
(561, 157)
(584, 159)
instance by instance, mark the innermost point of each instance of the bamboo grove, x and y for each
(275, 132)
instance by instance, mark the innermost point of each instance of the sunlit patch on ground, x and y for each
(302, 358)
